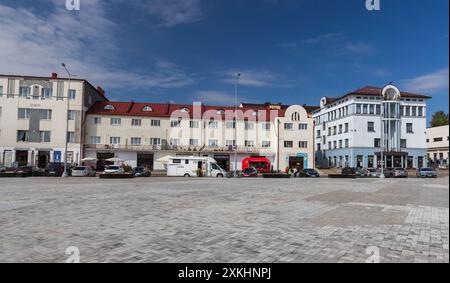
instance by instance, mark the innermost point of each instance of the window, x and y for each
(249, 144)
(303, 144)
(358, 108)
(72, 94)
(213, 143)
(365, 109)
(46, 93)
(231, 125)
(175, 123)
(71, 115)
(176, 161)
(23, 113)
(175, 142)
(334, 130)
(420, 111)
(346, 128)
(136, 122)
(371, 127)
(96, 140)
(70, 137)
(377, 143)
(116, 121)
(249, 126)
(229, 143)
(378, 110)
(329, 145)
(265, 144)
(409, 128)
(346, 143)
(114, 140)
(97, 120)
(24, 91)
(303, 127)
(155, 141)
(135, 141)
(109, 107)
(45, 136)
(329, 131)
(414, 111)
(266, 126)
(340, 129)
(155, 123)
(46, 114)
(22, 136)
(1, 90)
(288, 144)
(340, 144)
(193, 142)
(193, 124)
(288, 126)
(213, 124)
(147, 109)
(408, 111)
(403, 143)
(438, 139)
(335, 144)
(184, 110)
(372, 109)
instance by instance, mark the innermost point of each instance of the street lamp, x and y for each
(66, 173)
(238, 76)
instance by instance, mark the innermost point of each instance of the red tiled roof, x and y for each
(308, 108)
(134, 109)
(374, 91)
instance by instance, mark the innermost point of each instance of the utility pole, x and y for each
(66, 173)
(238, 76)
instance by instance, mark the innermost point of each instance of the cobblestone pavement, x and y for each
(224, 220)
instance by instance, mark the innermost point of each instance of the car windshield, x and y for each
(426, 169)
(248, 170)
(112, 167)
(80, 168)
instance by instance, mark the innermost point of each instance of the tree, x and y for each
(439, 119)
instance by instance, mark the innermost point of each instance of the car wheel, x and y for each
(187, 175)
(219, 175)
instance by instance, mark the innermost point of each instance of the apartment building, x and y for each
(438, 142)
(33, 115)
(143, 134)
(349, 129)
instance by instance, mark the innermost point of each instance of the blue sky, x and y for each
(290, 51)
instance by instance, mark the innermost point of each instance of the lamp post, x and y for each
(66, 173)
(238, 76)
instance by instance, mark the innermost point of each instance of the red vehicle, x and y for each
(261, 164)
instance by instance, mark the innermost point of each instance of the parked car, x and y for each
(426, 173)
(395, 173)
(83, 171)
(114, 169)
(358, 172)
(308, 173)
(55, 170)
(250, 172)
(25, 171)
(373, 173)
(141, 172)
(2, 169)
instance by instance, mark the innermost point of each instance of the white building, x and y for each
(142, 134)
(33, 113)
(437, 141)
(349, 129)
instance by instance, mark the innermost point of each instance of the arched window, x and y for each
(184, 110)
(220, 112)
(147, 109)
(295, 116)
(109, 107)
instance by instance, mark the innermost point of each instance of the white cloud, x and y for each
(360, 48)
(174, 12)
(35, 43)
(215, 97)
(255, 78)
(429, 83)
(322, 38)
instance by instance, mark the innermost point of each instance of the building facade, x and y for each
(438, 143)
(144, 134)
(33, 112)
(360, 128)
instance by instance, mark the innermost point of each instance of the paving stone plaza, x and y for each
(224, 220)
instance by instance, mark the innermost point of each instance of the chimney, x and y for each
(54, 75)
(101, 91)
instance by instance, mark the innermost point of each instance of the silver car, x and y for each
(83, 171)
(373, 173)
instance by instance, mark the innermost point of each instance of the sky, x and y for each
(289, 51)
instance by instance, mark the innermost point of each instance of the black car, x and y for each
(309, 173)
(358, 172)
(55, 170)
(141, 172)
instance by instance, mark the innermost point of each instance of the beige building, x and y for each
(143, 134)
(438, 142)
(33, 113)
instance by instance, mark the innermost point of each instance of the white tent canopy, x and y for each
(115, 160)
(88, 159)
(164, 159)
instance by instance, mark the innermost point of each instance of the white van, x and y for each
(194, 166)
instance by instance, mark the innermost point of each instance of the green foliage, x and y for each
(439, 119)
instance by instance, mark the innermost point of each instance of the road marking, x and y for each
(436, 186)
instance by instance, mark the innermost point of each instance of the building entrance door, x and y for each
(145, 160)
(22, 158)
(297, 162)
(223, 161)
(43, 159)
